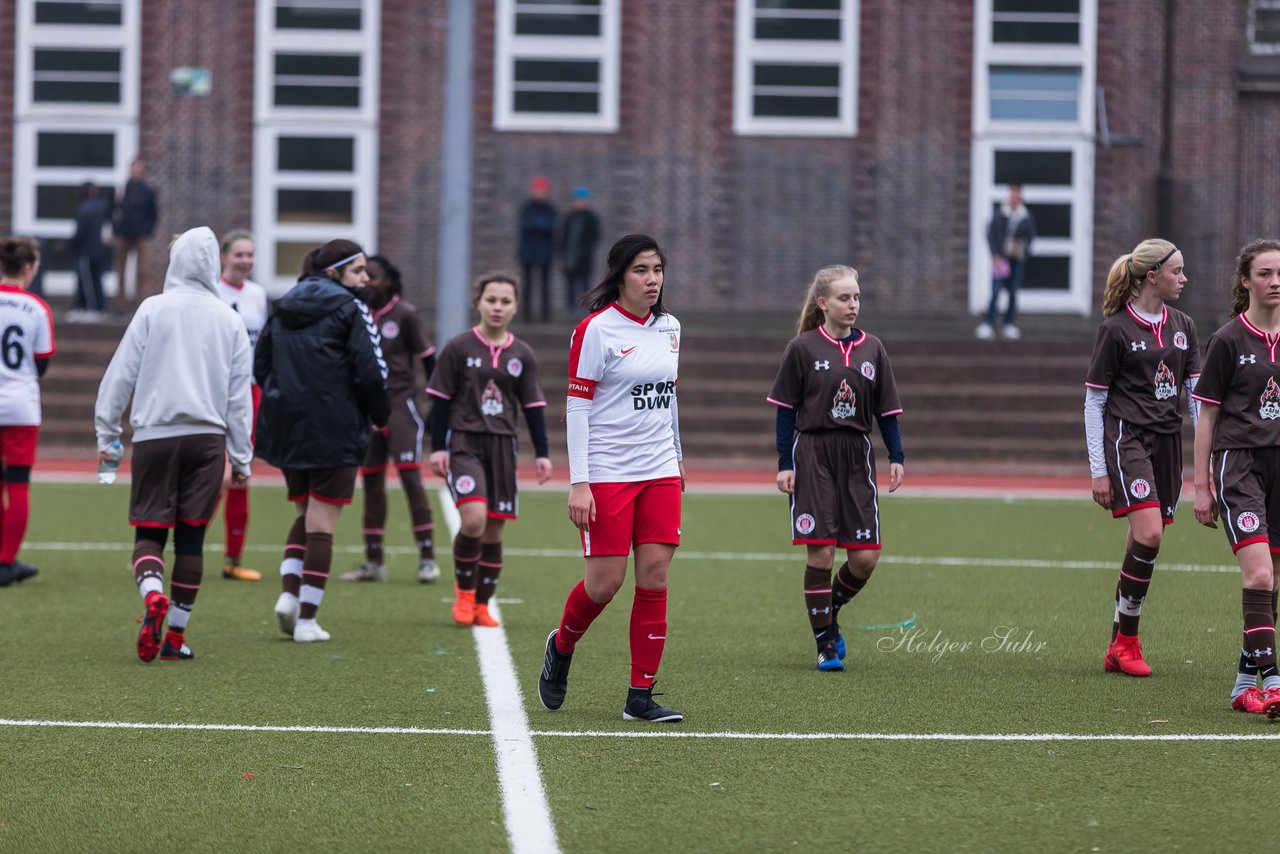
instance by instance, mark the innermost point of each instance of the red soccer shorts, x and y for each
(627, 514)
(18, 445)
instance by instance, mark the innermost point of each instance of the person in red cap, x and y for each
(537, 231)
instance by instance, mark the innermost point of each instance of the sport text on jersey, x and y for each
(652, 395)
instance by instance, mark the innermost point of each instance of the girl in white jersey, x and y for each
(28, 347)
(625, 468)
(249, 299)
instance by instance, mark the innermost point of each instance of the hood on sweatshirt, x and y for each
(193, 262)
(310, 300)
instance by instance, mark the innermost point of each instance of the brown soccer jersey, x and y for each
(1242, 375)
(836, 384)
(1142, 366)
(404, 342)
(486, 383)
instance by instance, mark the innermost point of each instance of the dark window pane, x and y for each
(557, 102)
(317, 16)
(1047, 273)
(289, 257)
(317, 96)
(1060, 7)
(814, 29)
(800, 5)
(764, 106)
(315, 154)
(1266, 26)
(534, 24)
(1052, 220)
(97, 61)
(1033, 167)
(76, 149)
(55, 201)
(557, 71)
(318, 64)
(330, 206)
(769, 74)
(1035, 32)
(87, 14)
(76, 92)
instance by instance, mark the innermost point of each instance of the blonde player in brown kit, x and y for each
(833, 381)
(1144, 356)
(484, 377)
(1237, 460)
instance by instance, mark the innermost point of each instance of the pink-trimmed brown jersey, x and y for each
(486, 383)
(1143, 365)
(404, 344)
(836, 384)
(1241, 375)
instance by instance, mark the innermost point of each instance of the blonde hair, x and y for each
(811, 316)
(1244, 267)
(1128, 272)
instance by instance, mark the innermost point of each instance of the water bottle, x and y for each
(109, 462)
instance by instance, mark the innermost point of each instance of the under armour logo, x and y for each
(1249, 359)
(817, 611)
(821, 365)
(863, 534)
(1138, 345)
(1259, 653)
(506, 507)
(474, 362)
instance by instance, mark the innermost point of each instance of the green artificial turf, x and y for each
(1003, 635)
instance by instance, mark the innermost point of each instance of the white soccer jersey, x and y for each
(26, 334)
(627, 367)
(250, 300)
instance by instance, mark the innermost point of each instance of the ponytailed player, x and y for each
(28, 347)
(484, 377)
(833, 381)
(404, 343)
(1145, 356)
(1237, 460)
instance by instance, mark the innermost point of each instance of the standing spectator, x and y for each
(323, 380)
(1144, 356)
(92, 212)
(185, 362)
(486, 375)
(134, 222)
(28, 347)
(537, 232)
(834, 380)
(1237, 460)
(578, 236)
(404, 342)
(1009, 237)
(249, 300)
(625, 469)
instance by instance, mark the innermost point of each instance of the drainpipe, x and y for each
(1164, 179)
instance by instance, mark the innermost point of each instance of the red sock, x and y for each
(648, 635)
(14, 526)
(579, 612)
(236, 515)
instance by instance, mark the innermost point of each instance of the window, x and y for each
(1033, 123)
(795, 67)
(315, 139)
(75, 116)
(556, 65)
(1264, 26)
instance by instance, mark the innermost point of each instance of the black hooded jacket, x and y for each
(319, 363)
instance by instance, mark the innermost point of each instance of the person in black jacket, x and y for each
(537, 234)
(134, 222)
(1009, 236)
(323, 377)
(92, 211)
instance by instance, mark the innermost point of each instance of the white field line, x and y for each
(524, 800)
(664, 733)
(690, 554)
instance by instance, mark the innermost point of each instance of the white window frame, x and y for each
(509, 47)
(32, 118)
(272, 122)
(1255, 47)
(990, 136)
(749, 50)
